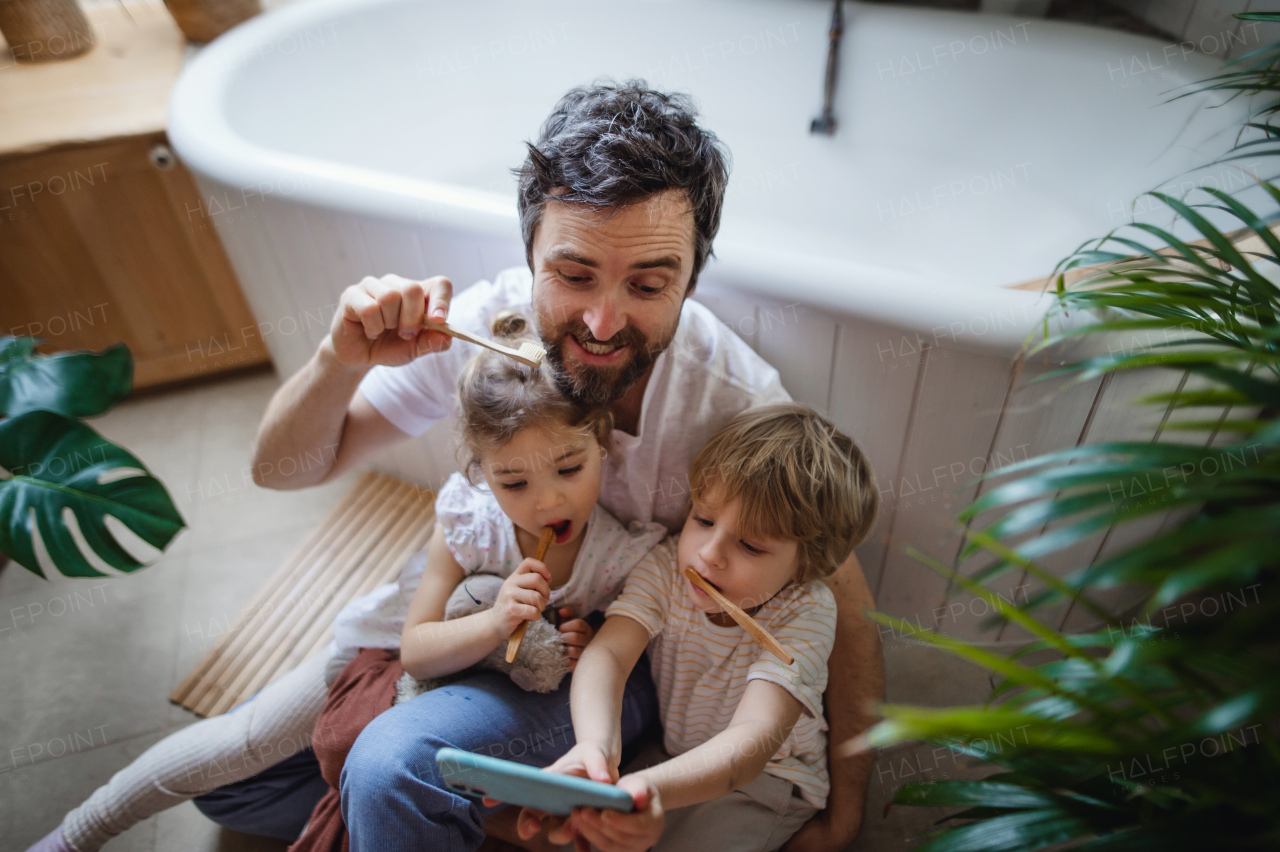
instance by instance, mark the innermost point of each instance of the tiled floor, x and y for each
(87, 665)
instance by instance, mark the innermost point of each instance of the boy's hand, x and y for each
(379, 320)
(522, 597)
(577, 635)
(613, 831)
(585, 760)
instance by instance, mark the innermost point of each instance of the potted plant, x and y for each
(1158, 730)
(44, 30)
(65, 481)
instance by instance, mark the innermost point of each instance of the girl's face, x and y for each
(747, 570)
(546, 476)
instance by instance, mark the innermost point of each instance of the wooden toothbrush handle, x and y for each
(737, 614)
(517, 635)
(445, 328)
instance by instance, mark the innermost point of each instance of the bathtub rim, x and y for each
(204, 139)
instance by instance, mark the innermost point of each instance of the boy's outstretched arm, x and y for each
(735, 756)
(595, 698)
(595, 701)
(727, 761)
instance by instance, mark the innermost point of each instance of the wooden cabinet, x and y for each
(109, 241)
(103, 237)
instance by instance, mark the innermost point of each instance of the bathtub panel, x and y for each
(873, 383)
(318, 291)
(467, 258)
(1119, 418)
(1122, 538)
(495, 255)
(956, 387)
(1039, 417)
(317, 254)
(1220, 437)
(339, 247)
(1214, 437)
(800, 343)
(267, 289)
(734, 309)
(393, 248)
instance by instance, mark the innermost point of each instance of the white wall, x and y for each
(1209, 24)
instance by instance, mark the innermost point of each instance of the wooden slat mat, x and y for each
(363, 543)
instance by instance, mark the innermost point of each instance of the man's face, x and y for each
(607, 290)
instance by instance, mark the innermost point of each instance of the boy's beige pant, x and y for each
(756, 817)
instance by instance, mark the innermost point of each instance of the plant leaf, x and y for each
(77, 384)
(59, 463)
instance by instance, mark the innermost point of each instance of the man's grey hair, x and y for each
(610, 145)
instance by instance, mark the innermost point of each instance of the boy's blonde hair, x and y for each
(498, 396)
(796, 477)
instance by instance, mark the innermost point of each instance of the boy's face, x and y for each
(546, 477)
(747, 570)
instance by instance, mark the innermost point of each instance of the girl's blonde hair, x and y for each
(498, 396)
(797, 478)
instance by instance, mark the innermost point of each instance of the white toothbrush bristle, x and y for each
(533, 352)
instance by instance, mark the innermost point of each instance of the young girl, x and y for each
(535, 458)
(531, 458)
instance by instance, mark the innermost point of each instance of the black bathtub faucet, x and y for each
(826, 123)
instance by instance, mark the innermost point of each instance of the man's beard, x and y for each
(596, 386)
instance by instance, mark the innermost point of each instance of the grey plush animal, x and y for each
(541, 664)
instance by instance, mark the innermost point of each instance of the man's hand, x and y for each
(821, 834)
(577, 635)
(379, 320)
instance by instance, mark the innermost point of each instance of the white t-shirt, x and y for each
(702, 669)
(483, 540)
(699, 383)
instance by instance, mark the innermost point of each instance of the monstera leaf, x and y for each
(66, 480)
(77, 384)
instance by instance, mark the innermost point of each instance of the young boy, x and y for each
(779, 499)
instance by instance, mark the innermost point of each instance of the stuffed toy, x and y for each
(539, 667)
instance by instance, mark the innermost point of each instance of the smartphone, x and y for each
(514, 783)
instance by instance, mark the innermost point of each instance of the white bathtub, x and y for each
(336, 138)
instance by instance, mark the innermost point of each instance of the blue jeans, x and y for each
(392, 797)
(276, 802)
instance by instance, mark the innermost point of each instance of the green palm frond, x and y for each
(1157, 729)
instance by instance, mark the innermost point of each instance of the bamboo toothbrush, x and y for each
(529, 353)
(517, 635)
(735, 612)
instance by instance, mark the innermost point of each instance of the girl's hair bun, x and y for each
(510, 324)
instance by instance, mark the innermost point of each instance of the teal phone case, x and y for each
(516, 784)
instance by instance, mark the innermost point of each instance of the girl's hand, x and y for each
(522, 597)
(577, 635)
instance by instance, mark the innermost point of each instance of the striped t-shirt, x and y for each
(701, 669)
